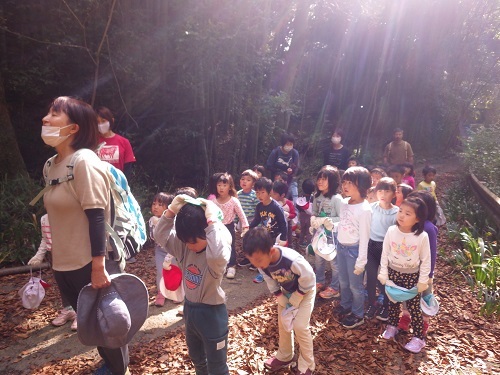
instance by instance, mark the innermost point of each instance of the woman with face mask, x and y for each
(336, 154)
(78, 209)
(114, 148)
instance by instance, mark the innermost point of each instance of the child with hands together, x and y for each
(405, 265)
(292, 281)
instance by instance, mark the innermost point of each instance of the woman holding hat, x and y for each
(78, 208)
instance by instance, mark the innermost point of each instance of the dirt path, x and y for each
(459, 340)
(29, 342)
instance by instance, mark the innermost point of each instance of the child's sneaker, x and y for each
(160, 300)
(390, 332)
(319, 287)
(231, 272)
(415, 345)
(244, 263)
(404, 322)
(74, 325)
(258, 279)
(352, 321)
(426, 328)
(64, 316)
(340, 311)
(251, 267)
(329, 293)
(382, 314)
(273, 364)
(308, 372)
(370, 312)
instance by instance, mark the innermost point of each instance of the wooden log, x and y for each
(489, 201)
(22, 269)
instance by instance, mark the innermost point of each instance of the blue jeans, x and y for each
(206, 337)
(352, 294)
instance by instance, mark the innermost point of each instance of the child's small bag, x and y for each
(323, 243)
(440, 218)
(32, 292)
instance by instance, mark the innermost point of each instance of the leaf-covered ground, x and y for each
(459, 341)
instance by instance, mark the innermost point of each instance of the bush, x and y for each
(482, 155)
(19, 223)
(480, 266)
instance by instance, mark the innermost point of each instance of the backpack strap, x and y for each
(49, 184)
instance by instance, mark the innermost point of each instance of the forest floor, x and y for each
(459, 341)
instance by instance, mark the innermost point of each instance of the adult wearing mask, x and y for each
(285, 158)
(337, 154)
(116, 149)
(79, 209)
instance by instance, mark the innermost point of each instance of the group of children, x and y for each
(385, 240)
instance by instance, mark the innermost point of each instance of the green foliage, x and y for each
(480, 265)
(19, 226)
(482, 155)
(462, 209)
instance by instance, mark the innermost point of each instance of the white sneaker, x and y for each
(64, 316)
(390, 332)
(74, 326)
(231, 272)
(415, 345)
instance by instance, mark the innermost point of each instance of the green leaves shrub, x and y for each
(481, 155)
(19, 223)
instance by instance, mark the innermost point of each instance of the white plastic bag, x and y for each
(323, 244)
(32, 292)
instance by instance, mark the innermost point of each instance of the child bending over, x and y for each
(202, 246)
(291, 279)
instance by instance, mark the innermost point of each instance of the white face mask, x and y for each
(336, 140)
(287, 148)
(104, 127)
(51, 135)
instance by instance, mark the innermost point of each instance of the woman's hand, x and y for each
(99, 276)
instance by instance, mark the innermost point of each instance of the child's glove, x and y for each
(328, 223)
(358, 271)
(178, 202)
(37, 258)
(244, 231)
(212, 212)
(295, 299)
(167, 262)
(282, 300)
(422, 287)
(316, 221)
(382, 278)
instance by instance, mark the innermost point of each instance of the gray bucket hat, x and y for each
(111, 316)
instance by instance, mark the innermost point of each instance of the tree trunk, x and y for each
(11, 161)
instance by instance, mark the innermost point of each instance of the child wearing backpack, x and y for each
(192, 231)
(67, 313)
(278, 193)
